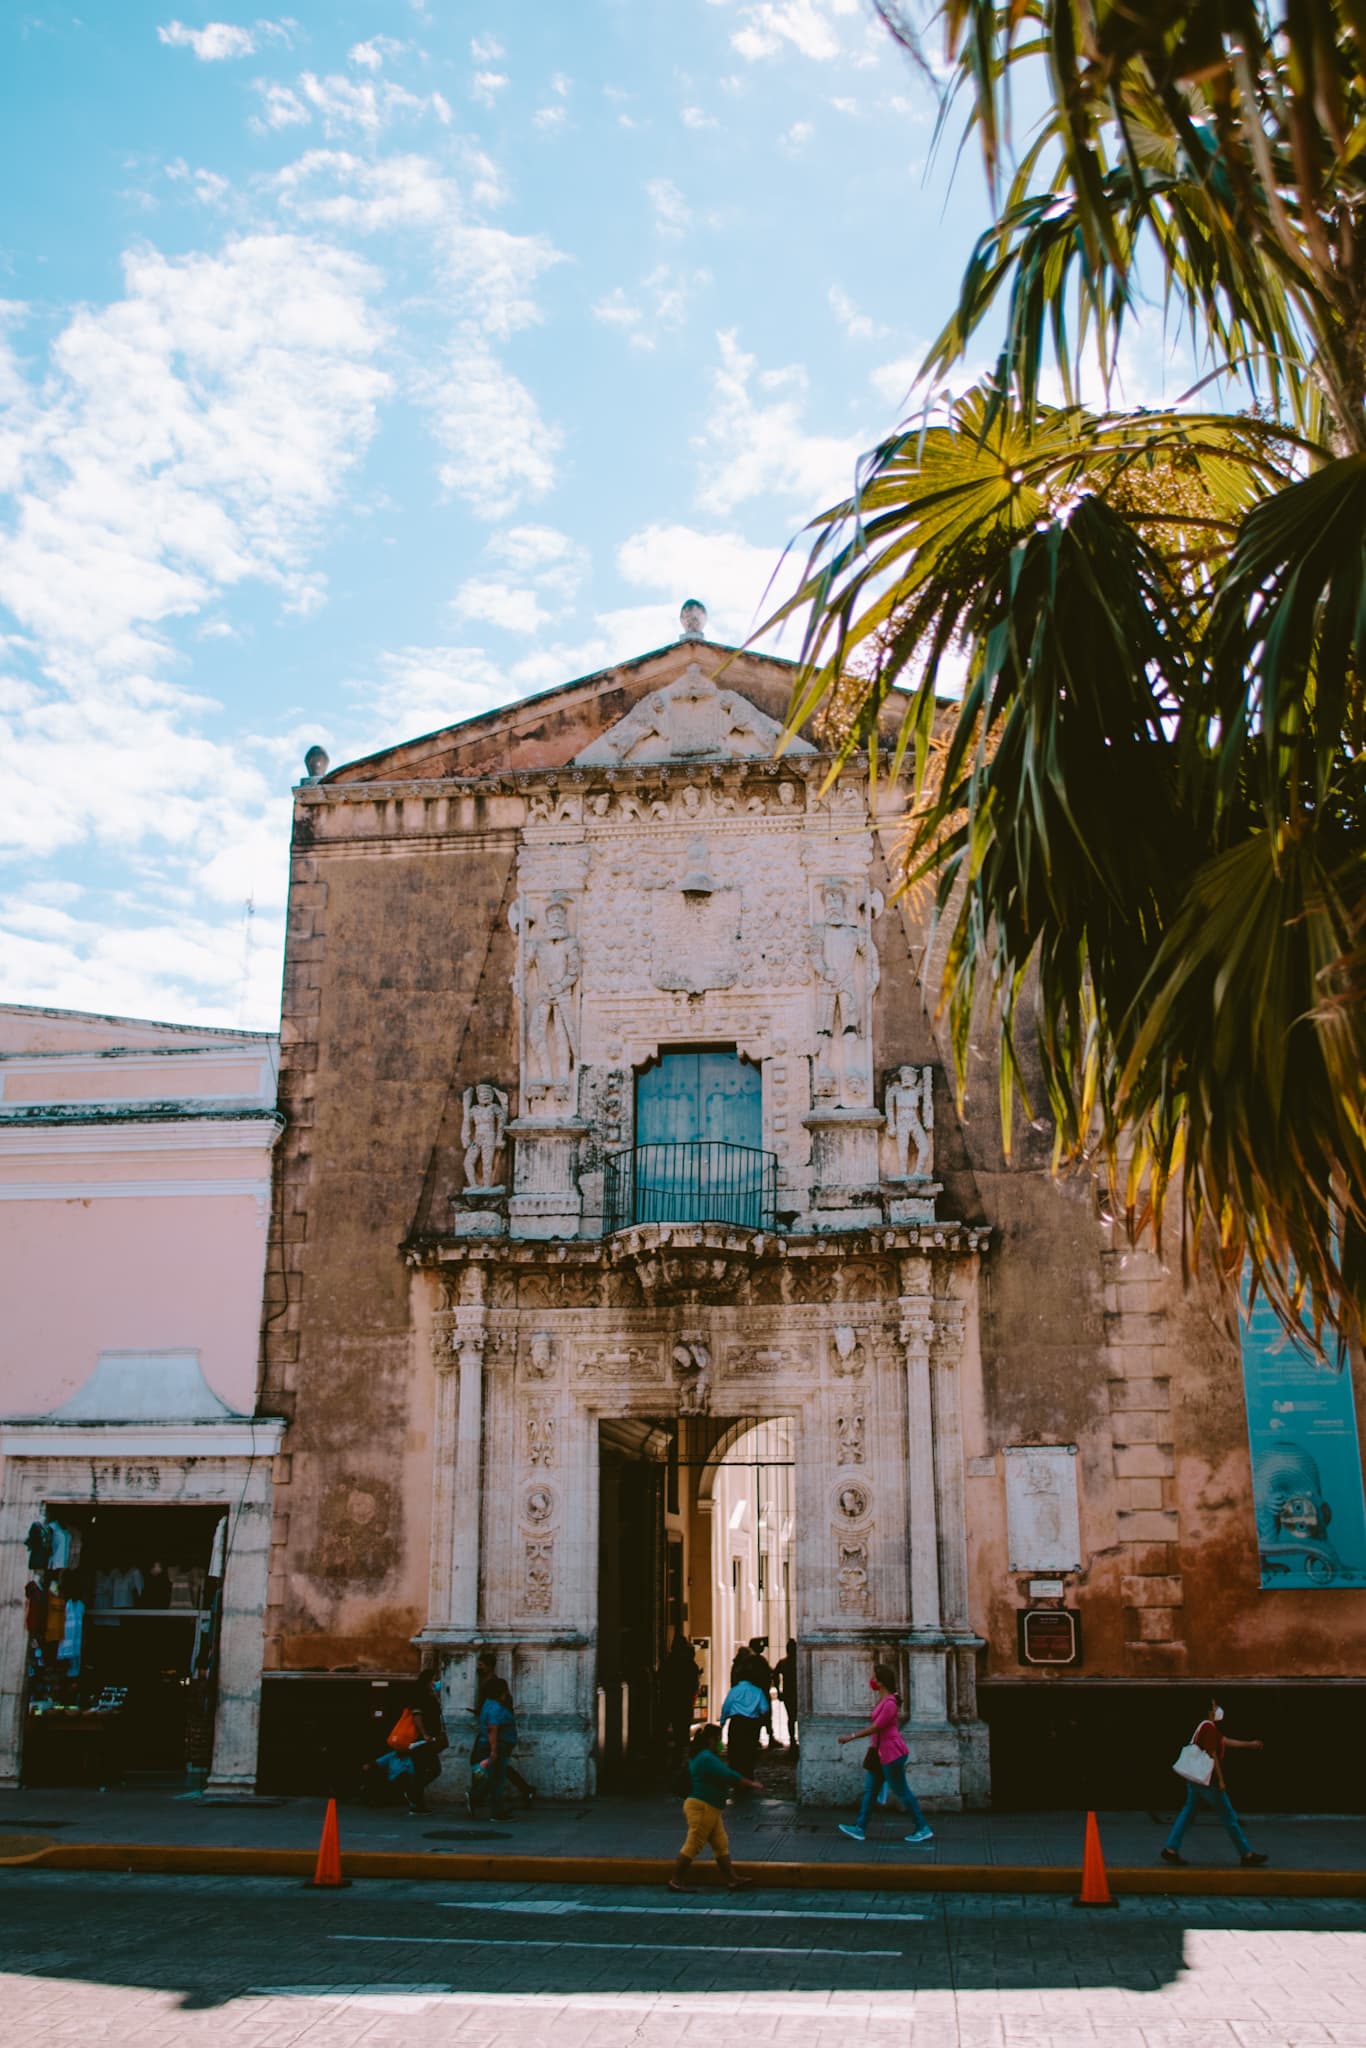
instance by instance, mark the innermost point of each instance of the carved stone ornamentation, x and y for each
(851, 1575)
(909, 1108)
(852, 1500)
(848, 1439)
(483, 1126)
(847, 1356)
(539, 1505)
(540, 1437)
(690, 720)
(538, 1359)
(845, 965)
(762, 1361)
(624, 1362)
(538, 1576)
(549, 968)
(693, 1368)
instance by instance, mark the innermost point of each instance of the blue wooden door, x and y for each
(687, 1097)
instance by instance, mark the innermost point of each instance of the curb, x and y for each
(651, 1870)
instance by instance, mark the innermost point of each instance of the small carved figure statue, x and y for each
(839, 950)
(541, 1357)
(909, 1106)
(848, 1358)
(482, 1129)
(554, 962)
(848, 1439)
(692, 1363)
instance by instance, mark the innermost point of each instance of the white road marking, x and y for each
(556, 1907)
(699, 1948)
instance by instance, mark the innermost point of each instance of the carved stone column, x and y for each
(946, 1357)
(458, 1337)
(916, 1332)
(468, 1340)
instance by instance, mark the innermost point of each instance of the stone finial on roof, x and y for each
(693, 619)
(316, 764)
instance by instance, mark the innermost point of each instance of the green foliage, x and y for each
(1143, 818)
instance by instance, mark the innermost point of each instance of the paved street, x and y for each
(263, 1962)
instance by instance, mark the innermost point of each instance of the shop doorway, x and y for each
(695, 1540)
(123, 1606)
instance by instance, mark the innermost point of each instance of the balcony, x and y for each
(704, 1181)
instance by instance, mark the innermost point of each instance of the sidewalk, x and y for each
(634, 1839)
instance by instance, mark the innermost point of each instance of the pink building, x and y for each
(135, 1473)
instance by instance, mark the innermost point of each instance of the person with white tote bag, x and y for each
(1201, 1764)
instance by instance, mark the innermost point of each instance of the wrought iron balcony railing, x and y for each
(701, 1182)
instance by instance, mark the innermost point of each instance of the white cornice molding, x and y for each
(33, 1140)
(244, 1437)
(104, 1190)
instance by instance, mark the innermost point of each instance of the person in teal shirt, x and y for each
(710, 1783)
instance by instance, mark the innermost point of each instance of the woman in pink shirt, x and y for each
(889, 1752)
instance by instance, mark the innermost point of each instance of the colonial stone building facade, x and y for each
(620, 1144)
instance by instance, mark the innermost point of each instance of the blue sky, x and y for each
(364, 368)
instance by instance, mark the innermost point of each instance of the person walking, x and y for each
(884, 1760)
(1210, 1737)
(744, 1711)
(498, 1721)
(485, 1670)
(679, 1679)
(787, 1690)
(710, 1784)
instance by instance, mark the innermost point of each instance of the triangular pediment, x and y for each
(689, 719)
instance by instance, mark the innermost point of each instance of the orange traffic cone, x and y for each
(1095, 1885)
(327, 1873)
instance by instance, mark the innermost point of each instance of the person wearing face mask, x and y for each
(885, 1757)
(1210, 1737)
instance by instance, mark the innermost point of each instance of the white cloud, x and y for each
(366, 104)
(663, 300)
(550, 119)
(486, 49)
(207, 186)
(892, 381)
(695, 117)
(858, 326)
(367, 194)
(807, 26)
(513, 607)
(191, 970)
(796, 137)
(422, 689)
(754, 442)
(730, 574)
(673, 215)
(280, 108)
(554, 561)
(213, 43)
(485, 87)
(371, 55)
(499, 450)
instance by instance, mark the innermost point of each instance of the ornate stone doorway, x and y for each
(695, 1537)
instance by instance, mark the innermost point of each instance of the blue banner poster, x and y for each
(1306, 1460)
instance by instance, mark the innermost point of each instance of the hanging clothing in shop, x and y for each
(39, 1542)
(69, 1650)
(59, 1558)
(54, 1621)
(118, 1588)
(35, 1609)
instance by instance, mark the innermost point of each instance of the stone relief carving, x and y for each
(482, 1130)
(538, 1356)
(847, 1355)
(538, 1577)
(690, 719)
(758, 1361)
(692, 1368)
(548, 988)
(696, 929)
(849, 1439)
(852, 1501)
(909, 1108)
(845, 965)
(851, 1575)
(539, 1505)
(540, 1437)
(628, 1361)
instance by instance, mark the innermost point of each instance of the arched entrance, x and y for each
(747, 1488)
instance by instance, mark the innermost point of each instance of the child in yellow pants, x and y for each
(710, 1785)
